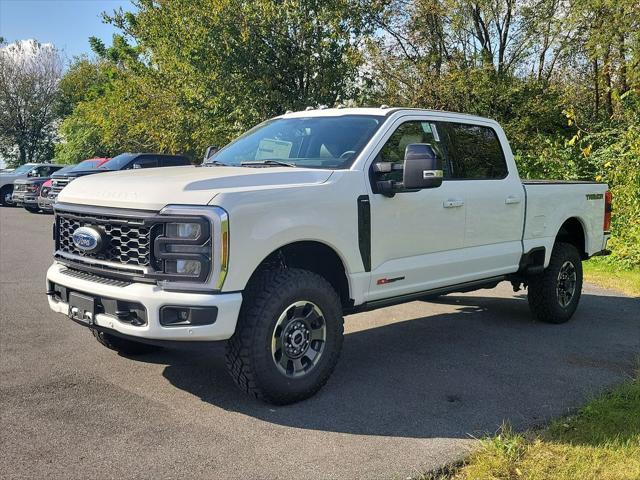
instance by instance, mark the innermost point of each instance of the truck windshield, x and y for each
(312, 142)
(117, 162)
(22, 169)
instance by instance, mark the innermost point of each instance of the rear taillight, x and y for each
(607, 211)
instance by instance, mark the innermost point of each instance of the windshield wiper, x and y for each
(269, 162)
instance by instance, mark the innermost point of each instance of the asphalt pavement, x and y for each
(415, 385)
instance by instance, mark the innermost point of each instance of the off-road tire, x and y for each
(542, 290)
(122, 345)
(249, 357)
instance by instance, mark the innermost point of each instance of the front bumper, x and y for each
(45, 203)
(22, 198)
(152, 298)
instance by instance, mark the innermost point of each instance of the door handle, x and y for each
(512, 199)
(453, 203)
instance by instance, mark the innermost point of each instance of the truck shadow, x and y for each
(449, 375)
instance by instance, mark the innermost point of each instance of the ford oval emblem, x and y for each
(87, 239)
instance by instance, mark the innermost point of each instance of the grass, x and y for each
(610, 276)
(600, 442)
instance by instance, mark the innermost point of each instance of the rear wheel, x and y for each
(554, 295)
(288, 338)
(122, 345)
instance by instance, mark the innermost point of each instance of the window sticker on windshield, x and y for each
(269, 148)
(426, 128)
(434, 130)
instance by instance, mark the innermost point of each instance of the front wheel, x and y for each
(5, 195)
(554, 295)
(32, 209)
(288, 338)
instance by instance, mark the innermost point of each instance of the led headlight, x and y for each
(183, 230)
(193, 247)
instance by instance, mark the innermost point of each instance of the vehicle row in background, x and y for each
(36, 186)
(28, 170)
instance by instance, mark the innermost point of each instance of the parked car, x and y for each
(308, 217)
(125, 161)
(26, 192)
(28, 170)
(44, 203)
(60, 179)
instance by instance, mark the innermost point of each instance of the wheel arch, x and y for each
(573, 231)
(315, 256)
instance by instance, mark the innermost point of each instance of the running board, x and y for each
(458, 288)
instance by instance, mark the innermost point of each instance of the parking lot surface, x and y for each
(414, 385)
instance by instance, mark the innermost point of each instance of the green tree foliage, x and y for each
(562, 77)
(203, 71)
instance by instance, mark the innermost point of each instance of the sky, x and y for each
(67, 24)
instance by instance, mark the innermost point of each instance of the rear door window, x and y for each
(475, 152)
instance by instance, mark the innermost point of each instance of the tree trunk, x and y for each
(608, 97)
(596, 89)
(624, 85)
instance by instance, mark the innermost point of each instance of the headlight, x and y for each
(183, 230)
(193, 247)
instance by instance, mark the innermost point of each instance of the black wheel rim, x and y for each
(298, 339)
(566, 287)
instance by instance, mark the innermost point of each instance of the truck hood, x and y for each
(154, 188)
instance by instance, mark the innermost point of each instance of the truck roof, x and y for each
(379, 111)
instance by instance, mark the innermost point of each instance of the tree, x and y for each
(29, 75)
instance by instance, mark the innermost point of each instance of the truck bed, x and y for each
(549, 203)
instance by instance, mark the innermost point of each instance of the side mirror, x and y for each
(422, 168)
(212, 150)
(32, 173)
(135, 166)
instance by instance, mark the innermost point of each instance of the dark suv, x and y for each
(124, 161)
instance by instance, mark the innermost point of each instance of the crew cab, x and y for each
(306, 218)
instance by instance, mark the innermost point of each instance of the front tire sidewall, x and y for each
(249, 352)
(270, 377)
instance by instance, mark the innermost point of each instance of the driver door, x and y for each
(416, 236)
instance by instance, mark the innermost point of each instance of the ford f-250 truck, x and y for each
(306, 218)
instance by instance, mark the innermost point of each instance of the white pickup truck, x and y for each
(306, 218)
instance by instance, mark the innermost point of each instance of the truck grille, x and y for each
(128, 240)
(57, 184)
(19, 187)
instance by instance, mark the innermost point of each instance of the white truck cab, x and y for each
(305, 218)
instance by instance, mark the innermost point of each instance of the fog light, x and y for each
(184, 267)
(181, 316)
